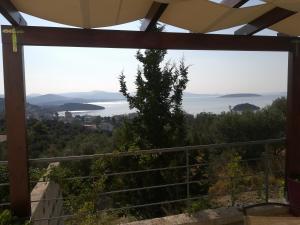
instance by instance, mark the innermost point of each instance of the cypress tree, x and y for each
(158, 100)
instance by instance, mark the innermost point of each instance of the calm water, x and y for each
(192, 105)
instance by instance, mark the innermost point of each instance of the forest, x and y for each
(55, 138)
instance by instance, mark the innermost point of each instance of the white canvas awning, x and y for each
(199, 16)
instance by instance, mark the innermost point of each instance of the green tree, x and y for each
(159, 122)
(158, 100)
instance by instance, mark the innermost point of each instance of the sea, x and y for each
(191, 105)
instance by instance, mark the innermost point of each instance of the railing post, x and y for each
(15, 104)
(293, 112)
(187, 163)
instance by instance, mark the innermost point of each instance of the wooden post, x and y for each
(293, 126)
(15, 102)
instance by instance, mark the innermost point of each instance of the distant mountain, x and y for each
(75, 107)
(32, 111)
(85, 97)
(112, 96)
(95, 95)
(37, 100)
(73, 97)
(47, 112)
(240, 95)
(33, 95)
(195, 95)
(98, 96)
(53, 99)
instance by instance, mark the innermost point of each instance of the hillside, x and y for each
(245, 107)
(35, 111)
(32, 111)
(75, 107)
(95, 95)
(53, 99)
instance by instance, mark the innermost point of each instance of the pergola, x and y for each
(198, 16)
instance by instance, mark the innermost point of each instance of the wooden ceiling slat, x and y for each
(9, 11)
(153, 15)
(234, 3)
(266, 20)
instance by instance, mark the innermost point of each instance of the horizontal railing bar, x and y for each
(53, 218)
(5, 204)
(157, 186)
(4, 184)
(144, 171)
(54, 199)
(153, 151)
(50, 199)
(119, 173)
(66, 179)
(176, 184)
(149, 187)
(166, 185)
(3, 162)
(134, 172)
(126, 190)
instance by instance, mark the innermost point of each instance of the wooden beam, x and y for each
(234, 3)
(279, 34)
(153, 15)
(293, 123)
(13, 68)
(266, 20)
(292, 164)
(73, 37)
(9, 11)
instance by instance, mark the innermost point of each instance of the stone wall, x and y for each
(47, 203)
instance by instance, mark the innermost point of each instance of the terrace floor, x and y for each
(220, 216)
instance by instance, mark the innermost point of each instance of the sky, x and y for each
(62, 69)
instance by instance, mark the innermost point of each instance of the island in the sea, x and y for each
(76, 107)
(240, 95)
(245, 107)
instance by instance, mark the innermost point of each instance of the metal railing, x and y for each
(187, 182)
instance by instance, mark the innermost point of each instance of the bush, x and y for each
(6, 218)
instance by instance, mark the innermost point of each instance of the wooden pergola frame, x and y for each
(14, 38)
